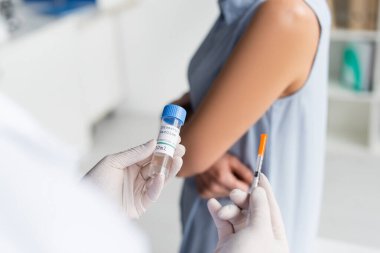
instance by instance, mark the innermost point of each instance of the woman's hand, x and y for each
(185, 103)
(124, 177)
(226, 174)
(183, 100)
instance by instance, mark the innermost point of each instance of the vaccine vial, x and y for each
(173, 117)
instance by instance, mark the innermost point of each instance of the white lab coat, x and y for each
(42, 207)
(3, 30)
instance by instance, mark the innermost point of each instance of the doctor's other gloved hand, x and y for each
(124, 177)
(252, 224)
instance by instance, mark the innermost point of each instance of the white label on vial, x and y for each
(167, 140)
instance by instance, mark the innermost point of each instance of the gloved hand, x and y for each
(124, 177)
(252, 224)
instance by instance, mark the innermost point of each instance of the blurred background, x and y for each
(97, 74)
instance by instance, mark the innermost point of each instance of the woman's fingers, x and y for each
(232, 182)
(209, 188)
(183, 100)
(243, 172)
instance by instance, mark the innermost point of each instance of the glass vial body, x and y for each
(172, 119)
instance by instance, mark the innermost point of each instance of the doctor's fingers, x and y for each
(236, 216)
(240, 198)
(224, 227)
(172, 170)
(259, 218)
(138, 155)
(177, 160)
(180, 150)
(175, 168)
(236, 213)
(276, 217)
(154, 188)
(228, 212)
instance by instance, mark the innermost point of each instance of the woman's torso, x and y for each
(295, 124)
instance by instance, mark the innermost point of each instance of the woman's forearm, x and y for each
(265, 65)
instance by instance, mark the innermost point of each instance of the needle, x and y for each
(259, 162)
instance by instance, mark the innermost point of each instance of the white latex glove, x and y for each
(124, 177)
(252, 224)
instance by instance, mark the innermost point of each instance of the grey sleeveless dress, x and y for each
(295, 125)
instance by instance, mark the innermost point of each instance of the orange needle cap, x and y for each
(263, 141)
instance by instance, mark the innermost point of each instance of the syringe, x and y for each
(259, 162)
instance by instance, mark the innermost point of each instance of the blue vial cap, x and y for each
(174, 111)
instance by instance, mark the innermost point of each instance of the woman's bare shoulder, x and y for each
(292, 14)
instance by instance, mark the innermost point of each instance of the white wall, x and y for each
(65, 73)
(160, 37)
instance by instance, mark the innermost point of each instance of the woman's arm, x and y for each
(272, 59)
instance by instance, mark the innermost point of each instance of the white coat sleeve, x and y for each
(42, 208)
